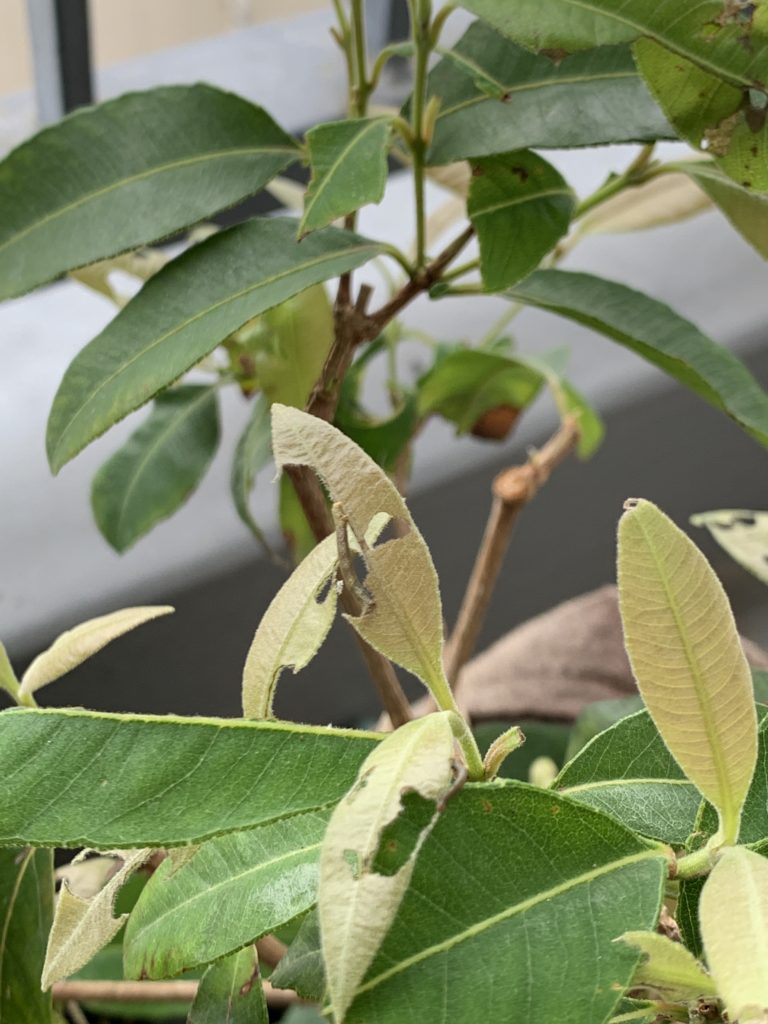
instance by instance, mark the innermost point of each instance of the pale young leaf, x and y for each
(84, 924)
(8, 680)
(667, 199)
(742, 533)
(76, 645)
(733, 914)
(668, 968)
(404, 618)
(687, 659)
(371, 845)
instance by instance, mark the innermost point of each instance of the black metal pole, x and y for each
(74, 48)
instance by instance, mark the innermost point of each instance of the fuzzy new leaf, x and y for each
(742, 533)
(82, 925)
(668, 968)
(687, 658)
(367, 859)
(76, 645)
(404, 619)
(733, 913)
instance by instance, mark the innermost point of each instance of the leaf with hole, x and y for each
(520, 207)
(743, 533)
(127, 172)
(26, 912)
(182, 314)
(76, 645)
(349, 168)
(230, 992)
(85, 778)
(687, 659)
(656, 333)
(368, 853)
(496, 97)
(158, 467)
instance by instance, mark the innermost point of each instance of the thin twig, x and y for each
(74, 1013)
(512, 490)
(150, 991)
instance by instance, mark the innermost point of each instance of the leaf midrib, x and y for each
(489, 922)
(520, 200)
(608, 783)
(140, 176)
(311, 199)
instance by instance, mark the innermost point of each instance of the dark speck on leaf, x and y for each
(520, 172)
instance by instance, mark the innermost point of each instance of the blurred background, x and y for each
(661, 443)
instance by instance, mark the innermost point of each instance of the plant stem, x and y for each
(420, 31)
(441, 691)
(461, 269)
(512, 490)
(146, 991)
(362, 85)
(638, 172)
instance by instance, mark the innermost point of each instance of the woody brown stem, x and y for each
(149, 991)
(512, 490)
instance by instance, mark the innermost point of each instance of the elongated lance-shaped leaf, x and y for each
(231, 992)
(656, 333)
(496, 96)
(8, 680)
(233, 890)
(84, 925)
(514, 859)
(746, 209)
(158, 467)
(80, 778)
(710, 113)
(301, 968)
(404, 619)
(371, 847)
(520, 207)
(76, 645)
(741, 532)
(253, 452)
(733, 913)
(26, 913)
(182, 314)
(349, 168)
(730, 40)
(687, 659)
(128, 172)
(666, 199)
(667, 969)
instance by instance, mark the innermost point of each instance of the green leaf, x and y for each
(468, 382)
(231, 992)
(733, 911)
(84, 921)
(712, 114)
(302, 967)
(520, 207)
(384, 440)
(253, 452)
(668, 969)
(665, 199)
(77, 645)
(496, 96)
(687, 658)
(372, 844)
(597, 717)
(731, 40)
(747, 210)
(741, 532)
(628, 772)
(234, 889)
(128, 172)
(158, 467)
(349, 169)
(182, 314)
(514, 859)
(687, 913)
(26, 912)
(656, 333)
(80, 778)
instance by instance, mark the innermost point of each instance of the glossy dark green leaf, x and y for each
(158, 467)
(183, 313)
(83, 778)
(349, 168)
(656, 333)
(468, 382)
(383, 439)
(26, 914)
(253, 452)
(520, 207)
(712, 114)
(627, 772)
(497, 96)
(235, 889)
(302, 966)
(128, 172)
(687, 914)
(231, 992)
(746, 209)
(731, 40)
(514, 860)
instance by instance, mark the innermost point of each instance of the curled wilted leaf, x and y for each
(371, 846)
(76, 645)
(742, 533)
